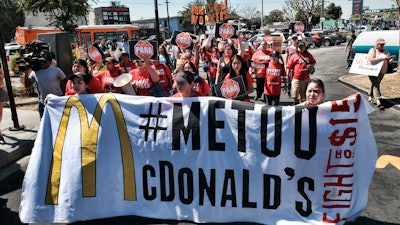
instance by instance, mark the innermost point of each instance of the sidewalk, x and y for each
(19, 142)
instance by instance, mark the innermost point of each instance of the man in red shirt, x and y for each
(165, 76)
(300, 65)
(126, 65)
(260, 57)
(144, 77)
(107, 77)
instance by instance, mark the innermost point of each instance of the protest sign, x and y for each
(140, 49)
(204, 159)
(361, 65)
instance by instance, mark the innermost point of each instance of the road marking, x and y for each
(384, 160)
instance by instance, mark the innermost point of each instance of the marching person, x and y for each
(144, 77)
(107, 77)
(349, 47)
(80, 83)
(315, 92)
(94, 84)
(375, 55)
(184, 85)
(275, 77)
(238, 69)
(126, 64)
(300, 65)
(261, 56)
(165, 77)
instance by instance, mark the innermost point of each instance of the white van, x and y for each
(366, 40)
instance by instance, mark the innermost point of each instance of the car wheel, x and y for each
(327, 42)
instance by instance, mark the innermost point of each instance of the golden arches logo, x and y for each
(89, 137)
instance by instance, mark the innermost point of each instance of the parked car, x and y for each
(366, 40)
(11, 51)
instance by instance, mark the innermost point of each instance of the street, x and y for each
(384, 193)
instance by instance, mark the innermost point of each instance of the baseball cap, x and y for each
(184, 76)
(111, 60)
(380, 41)
(275, 53)
(84, 76)
(45, 56)
(300, 43)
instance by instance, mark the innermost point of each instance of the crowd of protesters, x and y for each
(175, 71)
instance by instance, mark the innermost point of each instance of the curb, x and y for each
(393, 104)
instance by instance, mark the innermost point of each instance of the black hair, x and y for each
(242, 70)
(83, 63)
(319, 82)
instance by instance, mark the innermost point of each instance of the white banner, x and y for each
(361, 65)
(201, 159)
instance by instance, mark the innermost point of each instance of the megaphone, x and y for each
(124, 82)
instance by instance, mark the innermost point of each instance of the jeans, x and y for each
(375, 90)
(273, 100)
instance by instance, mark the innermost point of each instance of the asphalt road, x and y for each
(384, 193)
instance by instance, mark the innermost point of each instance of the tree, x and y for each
(117, 4)
(61, 14)
(249, 12)
(186, 12)
(303, 10)
(333, 12)
(11, 18)
(276, 15)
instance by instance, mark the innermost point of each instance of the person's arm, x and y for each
(196, 53)
(218, 72)
(250, 82)
(241, 49)
(153, 74)
(27, 81)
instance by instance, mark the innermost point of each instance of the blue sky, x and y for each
(145, 8)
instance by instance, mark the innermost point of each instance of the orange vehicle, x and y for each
(88, 34)
(24, 35)
(84, 35)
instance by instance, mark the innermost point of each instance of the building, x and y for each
(147, 27)
(111, 15)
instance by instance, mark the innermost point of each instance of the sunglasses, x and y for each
(381, 44)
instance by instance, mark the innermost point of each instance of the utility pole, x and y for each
(157, 22)
(262, 14)
(169, 31)
(7, 78)
(322, 16)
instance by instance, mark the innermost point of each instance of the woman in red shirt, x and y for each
(237, 69)
(184, 85)
(94, 85)
(275, 73)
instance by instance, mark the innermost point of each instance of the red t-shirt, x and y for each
(299, 65)
(106, 79)
(261, 57)
(165, 76)
(201, 87)
(213, 66)
(273, 80)
(142, 82)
